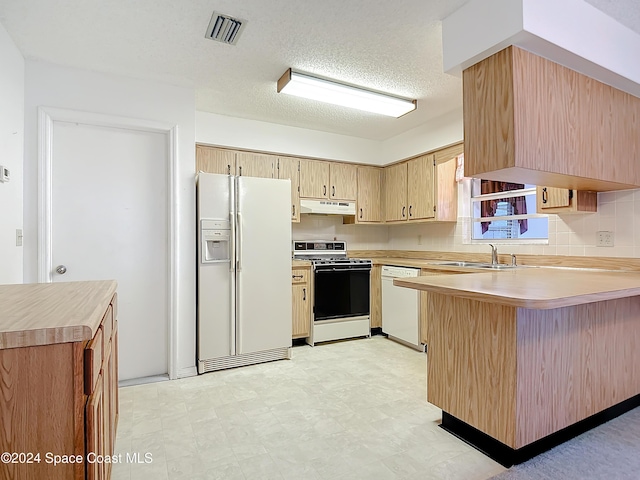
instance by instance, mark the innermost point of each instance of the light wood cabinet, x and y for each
(375, 305)
(420, 176)
(215, 160)
(314, 179)
(368, 204)
(395, 192)
(255, 165)
(561, 200)
(343, 179)
(331, 180)
(301, 302)
(61, 397)
(423, 188)
(530, 120)
(290, 168)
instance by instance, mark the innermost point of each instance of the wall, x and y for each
(575, 235)
(241, 133)
(329, 227)
(11, 150)
(61, 87)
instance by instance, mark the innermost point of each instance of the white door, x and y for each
(109, 221)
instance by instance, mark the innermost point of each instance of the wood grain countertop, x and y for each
(532, 287)
(49, 313)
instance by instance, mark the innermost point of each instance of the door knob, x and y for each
(61, 269)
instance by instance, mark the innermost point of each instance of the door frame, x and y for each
(46, 119)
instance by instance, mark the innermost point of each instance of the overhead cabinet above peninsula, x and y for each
(530, 120)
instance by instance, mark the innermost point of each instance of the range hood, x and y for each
(327, 207)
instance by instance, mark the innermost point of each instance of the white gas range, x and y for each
(340, 290)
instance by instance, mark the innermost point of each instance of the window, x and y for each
(505, 211)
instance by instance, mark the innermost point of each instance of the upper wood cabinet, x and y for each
(561, 200)
(368, 204)
(530, 120)
(215, 160)
(423, 188)
(314, 179)
(255, 165)
(331, 180)
(395, 192)
(343, 180)
(420, 177)
(290, 168)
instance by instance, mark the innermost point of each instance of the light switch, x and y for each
(18, 237)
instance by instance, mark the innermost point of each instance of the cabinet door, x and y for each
(215, 160)
(395, 186)
(551, 197)
(314, 179)
(254, 165)
(343, 181)
(94, 417)
(113, 391)
(446, 193)
(368, 201)
(301, 310)
(107, 427)
(420, 188)
(290, 168)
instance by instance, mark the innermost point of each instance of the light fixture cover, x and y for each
(329, 91)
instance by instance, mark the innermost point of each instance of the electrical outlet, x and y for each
(604, 239)
(419, 239)
(18, 237)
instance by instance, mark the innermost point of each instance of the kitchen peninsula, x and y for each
(523, 359)
(58, 378)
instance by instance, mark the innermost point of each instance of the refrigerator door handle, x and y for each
(234, 246)
(239, 248)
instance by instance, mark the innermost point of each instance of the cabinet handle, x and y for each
(240, 170)
(333, 191)
(410, 214)
(544, 195)
(293, 211)
(324, 190)
(297, 276)
(403, 209)
(360, 213)
(304, 294)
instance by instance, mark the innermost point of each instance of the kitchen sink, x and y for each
(488, 266)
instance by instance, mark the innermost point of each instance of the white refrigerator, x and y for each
(244, 271)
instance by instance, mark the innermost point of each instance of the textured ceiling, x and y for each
(394, 46)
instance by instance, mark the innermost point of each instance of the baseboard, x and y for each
(507, 456)
(143, 380)
(187, 372)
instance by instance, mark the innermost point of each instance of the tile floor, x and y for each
(347, 410)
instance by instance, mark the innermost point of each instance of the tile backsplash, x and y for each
(572, 234)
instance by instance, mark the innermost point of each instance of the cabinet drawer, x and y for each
(299, 276)
(93, 361)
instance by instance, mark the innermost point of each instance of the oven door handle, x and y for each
(334, 269)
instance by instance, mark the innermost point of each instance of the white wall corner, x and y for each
(572, 33)
(477, 30)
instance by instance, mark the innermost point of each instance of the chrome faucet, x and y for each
(494, 255)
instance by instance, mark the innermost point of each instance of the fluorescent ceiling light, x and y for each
(328, 91)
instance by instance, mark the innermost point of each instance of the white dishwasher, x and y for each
(401, 307)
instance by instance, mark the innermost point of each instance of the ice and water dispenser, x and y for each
(215, 241)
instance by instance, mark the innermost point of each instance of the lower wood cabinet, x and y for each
(301, 302)
(61, 399)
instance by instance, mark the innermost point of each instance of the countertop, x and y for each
(49, 313)
(532, 287)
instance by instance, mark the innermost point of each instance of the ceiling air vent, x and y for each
(225, 29)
